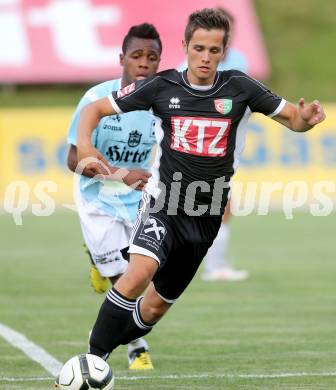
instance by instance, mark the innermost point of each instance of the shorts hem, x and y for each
(143, 251)
(165, 299)
(108, 271)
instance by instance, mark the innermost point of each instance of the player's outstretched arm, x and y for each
(88, 156)
(88, 169)
(89, 118)
(72, 160)
(90, 162)
(135, 178)
(302, 117)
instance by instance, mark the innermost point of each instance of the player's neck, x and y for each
(124, 82)
(197, 82)
(201, 87)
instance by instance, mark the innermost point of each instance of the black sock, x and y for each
(136, 327)
(111, 323)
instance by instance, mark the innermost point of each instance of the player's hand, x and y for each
(92, 163)
(137, 179)
(311, 113)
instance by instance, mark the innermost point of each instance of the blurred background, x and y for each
(278, 322)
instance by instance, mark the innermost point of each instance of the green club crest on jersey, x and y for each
(224, 106)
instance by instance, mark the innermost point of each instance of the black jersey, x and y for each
(201, 135)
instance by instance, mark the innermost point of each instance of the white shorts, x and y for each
(104, 237)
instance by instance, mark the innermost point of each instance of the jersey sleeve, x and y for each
(260, 98)
(139, 95)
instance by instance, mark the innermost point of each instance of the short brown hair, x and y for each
(209, 19)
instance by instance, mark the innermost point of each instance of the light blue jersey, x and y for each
(125, 141)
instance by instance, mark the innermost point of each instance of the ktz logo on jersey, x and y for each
(134, 138)
(154, 228)
(224, 106)
(200, 136)
(125, 91)
(174, 102)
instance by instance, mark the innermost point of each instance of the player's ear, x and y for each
(185, 46)
(121, 59)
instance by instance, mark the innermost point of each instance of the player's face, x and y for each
(142, 59)
(204, 52)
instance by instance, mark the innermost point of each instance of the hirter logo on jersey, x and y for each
(200, 136)
(126, 90)
(223, 106)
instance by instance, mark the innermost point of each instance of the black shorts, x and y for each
(177, 242)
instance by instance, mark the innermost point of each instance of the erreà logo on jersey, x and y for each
(126, 90)
(174, 102)
(223, 106)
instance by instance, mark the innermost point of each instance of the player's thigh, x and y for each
(104, 237)
(153, 235)
(137, 277)
(178, 271)
(195, 235)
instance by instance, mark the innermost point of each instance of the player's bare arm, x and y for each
(303, 117)
(92, 162)
(88, 121)
(88, 170)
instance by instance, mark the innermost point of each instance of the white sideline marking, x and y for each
(231, 376)
(33, 351)
(199, 376)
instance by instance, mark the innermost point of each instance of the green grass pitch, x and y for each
(281, 321)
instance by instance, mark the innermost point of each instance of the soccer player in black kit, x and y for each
(200, 134)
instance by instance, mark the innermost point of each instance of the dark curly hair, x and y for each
(144, 31)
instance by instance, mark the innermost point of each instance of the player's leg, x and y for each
(170, 281)
(120, 320)
(119, 313)
(138, 349)
(99, 283)
(151, 309)
(103, 236)
(123, 316)
(180, 268)
(175, 275)
(216, 264)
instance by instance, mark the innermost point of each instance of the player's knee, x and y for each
(132, 285)
(154, 312)
(114, 279)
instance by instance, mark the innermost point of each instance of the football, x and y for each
(83, 372)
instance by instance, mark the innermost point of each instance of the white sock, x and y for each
(216, 256)
(135, 344)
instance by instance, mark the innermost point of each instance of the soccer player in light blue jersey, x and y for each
(107, 208)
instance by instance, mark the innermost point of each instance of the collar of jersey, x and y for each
(186, 82)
